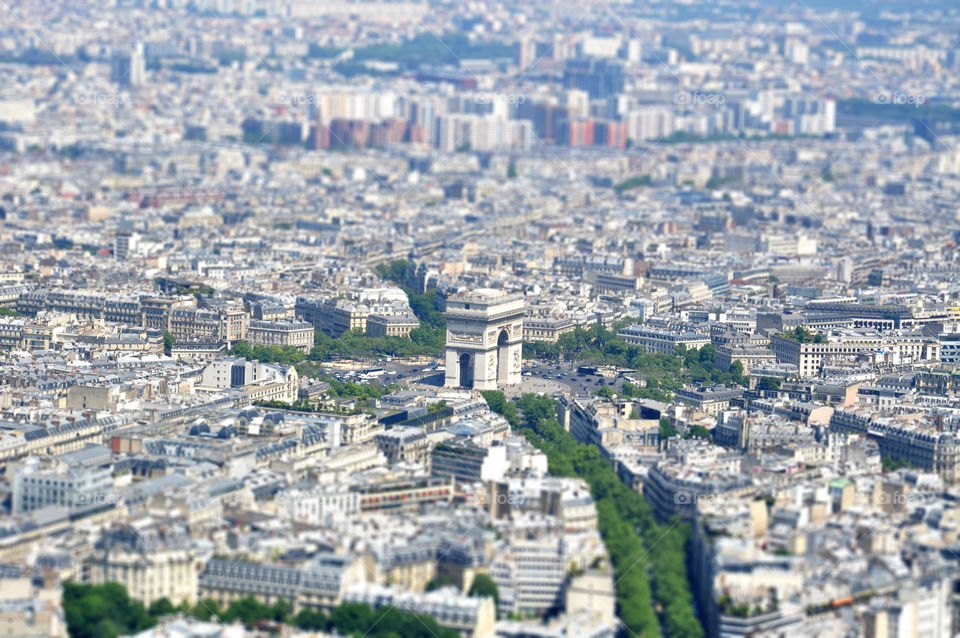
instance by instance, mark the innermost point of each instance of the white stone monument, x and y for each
(484, 339)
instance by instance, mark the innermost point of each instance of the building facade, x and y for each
(293, 334)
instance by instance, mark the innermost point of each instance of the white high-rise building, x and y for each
(128, 68)
(650, 123)
(796, 51)
(530, 575)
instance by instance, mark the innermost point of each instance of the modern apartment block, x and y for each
(75, 480)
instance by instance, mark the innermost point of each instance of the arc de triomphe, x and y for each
(484, 339)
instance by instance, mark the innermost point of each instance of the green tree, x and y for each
(736, 373)
(103, 611)
(707, 355)
(351, 618)
(395, 271)
(161, 607)
(632, 182)
(280, 610)
(438, 581)
(242, 350)
(606, 392)
(205, 609)
(97, 611)
(283, 355)
(498, 403)
(168, 341)
(804, 335)
(891, 464)
(536, 408)
(311, 620)
(666, 429)
(698, 432)
(247, 610)
(483, 586)
(628, 528)
(768, 384)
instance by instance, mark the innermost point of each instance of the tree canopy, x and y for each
(663, 374)
(284, 355)
(801, 334)
(483, 586)
(103, 611)
(107, 611)
(627, 525)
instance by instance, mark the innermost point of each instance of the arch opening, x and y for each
(465, 362)
(503, 357)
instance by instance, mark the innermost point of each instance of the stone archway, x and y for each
(487, 325)
(465, 363)
(503, 357)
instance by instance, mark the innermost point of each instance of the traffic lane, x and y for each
(575, 384)
(536, 385)
(393, 371)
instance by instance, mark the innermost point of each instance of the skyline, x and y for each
(483, 319)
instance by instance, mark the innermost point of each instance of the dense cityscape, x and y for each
(439, 318)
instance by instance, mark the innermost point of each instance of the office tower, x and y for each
(128, 68)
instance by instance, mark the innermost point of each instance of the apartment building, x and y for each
(950, 344)
(152, 562)
(208, 325)
(749, 356)
(895, 349)
(387, 325)
(156, 311)
(712, 399)
(530, 574)
(469, 616)
(177, 314)
(294, 334)
(73, 480)
(922, 446)
(677, 491)
(333, 316)
(405, 496)
(468, 463)
(546, 328)
(662, 340)
(405, 445)
(319, 583)
(314, 504)
(606, 424)
(259, 381)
